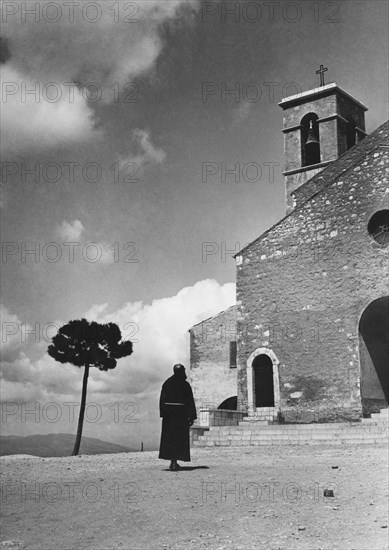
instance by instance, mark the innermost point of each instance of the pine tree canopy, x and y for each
(82, 343)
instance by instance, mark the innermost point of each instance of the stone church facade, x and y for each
(308, 338)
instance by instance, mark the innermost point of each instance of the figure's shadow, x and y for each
(187, 469)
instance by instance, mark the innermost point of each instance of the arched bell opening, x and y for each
(310, 140)
(351, 132)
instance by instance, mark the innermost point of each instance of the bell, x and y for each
(312, 148)
(311, 139)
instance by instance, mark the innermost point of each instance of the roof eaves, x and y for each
(212, 317)
(324, 186)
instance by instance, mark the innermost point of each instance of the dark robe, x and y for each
(176, 418)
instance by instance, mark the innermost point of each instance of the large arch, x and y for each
(374, 354)
(251, 397)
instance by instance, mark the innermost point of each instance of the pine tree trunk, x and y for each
(82, 411)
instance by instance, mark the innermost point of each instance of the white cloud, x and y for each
(144, 152)
(159, 332)
(14, 334)
(22, 378)
(29, 125)
(101, 252)
(149, 153)
(71, 231)
(104, 52)
(109, 52)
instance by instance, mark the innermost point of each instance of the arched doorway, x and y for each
(374, 354)
(263, 386)
(263, 381)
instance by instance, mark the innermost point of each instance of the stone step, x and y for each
(308, 441)
(306, 428)
(291, 435)
(283, 437)
(259, 417)
(294, 442)
(234, 437)
(257, 431)
(281, 443)
(287, 440)
(262, 415)
(295, 434)
(384, 413)
(254, 421)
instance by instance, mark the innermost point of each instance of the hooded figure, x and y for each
(178, 411)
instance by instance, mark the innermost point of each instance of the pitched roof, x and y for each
(348, 159)
(212, 317)
(329, 174)
(328, 89)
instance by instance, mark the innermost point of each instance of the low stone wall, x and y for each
(324, 412)
(223, 417)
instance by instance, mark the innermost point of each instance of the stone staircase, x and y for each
(254, 430)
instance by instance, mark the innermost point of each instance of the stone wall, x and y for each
(302, 288)
(211, 377)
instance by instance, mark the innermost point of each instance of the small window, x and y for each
(378, 227)
(233, 353)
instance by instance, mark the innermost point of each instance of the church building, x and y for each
(308, 339)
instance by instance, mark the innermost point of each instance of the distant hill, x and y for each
(56, 445)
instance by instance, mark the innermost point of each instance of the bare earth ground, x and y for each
(243, 498)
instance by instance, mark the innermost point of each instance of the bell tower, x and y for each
(319, 126)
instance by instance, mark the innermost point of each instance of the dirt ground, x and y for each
(244, 498)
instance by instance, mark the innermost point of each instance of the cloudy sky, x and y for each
(118, 131)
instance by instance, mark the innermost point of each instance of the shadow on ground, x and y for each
(187, 469)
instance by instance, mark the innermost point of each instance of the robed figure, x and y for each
(178, 411)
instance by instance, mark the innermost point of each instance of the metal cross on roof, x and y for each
(321, 71)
